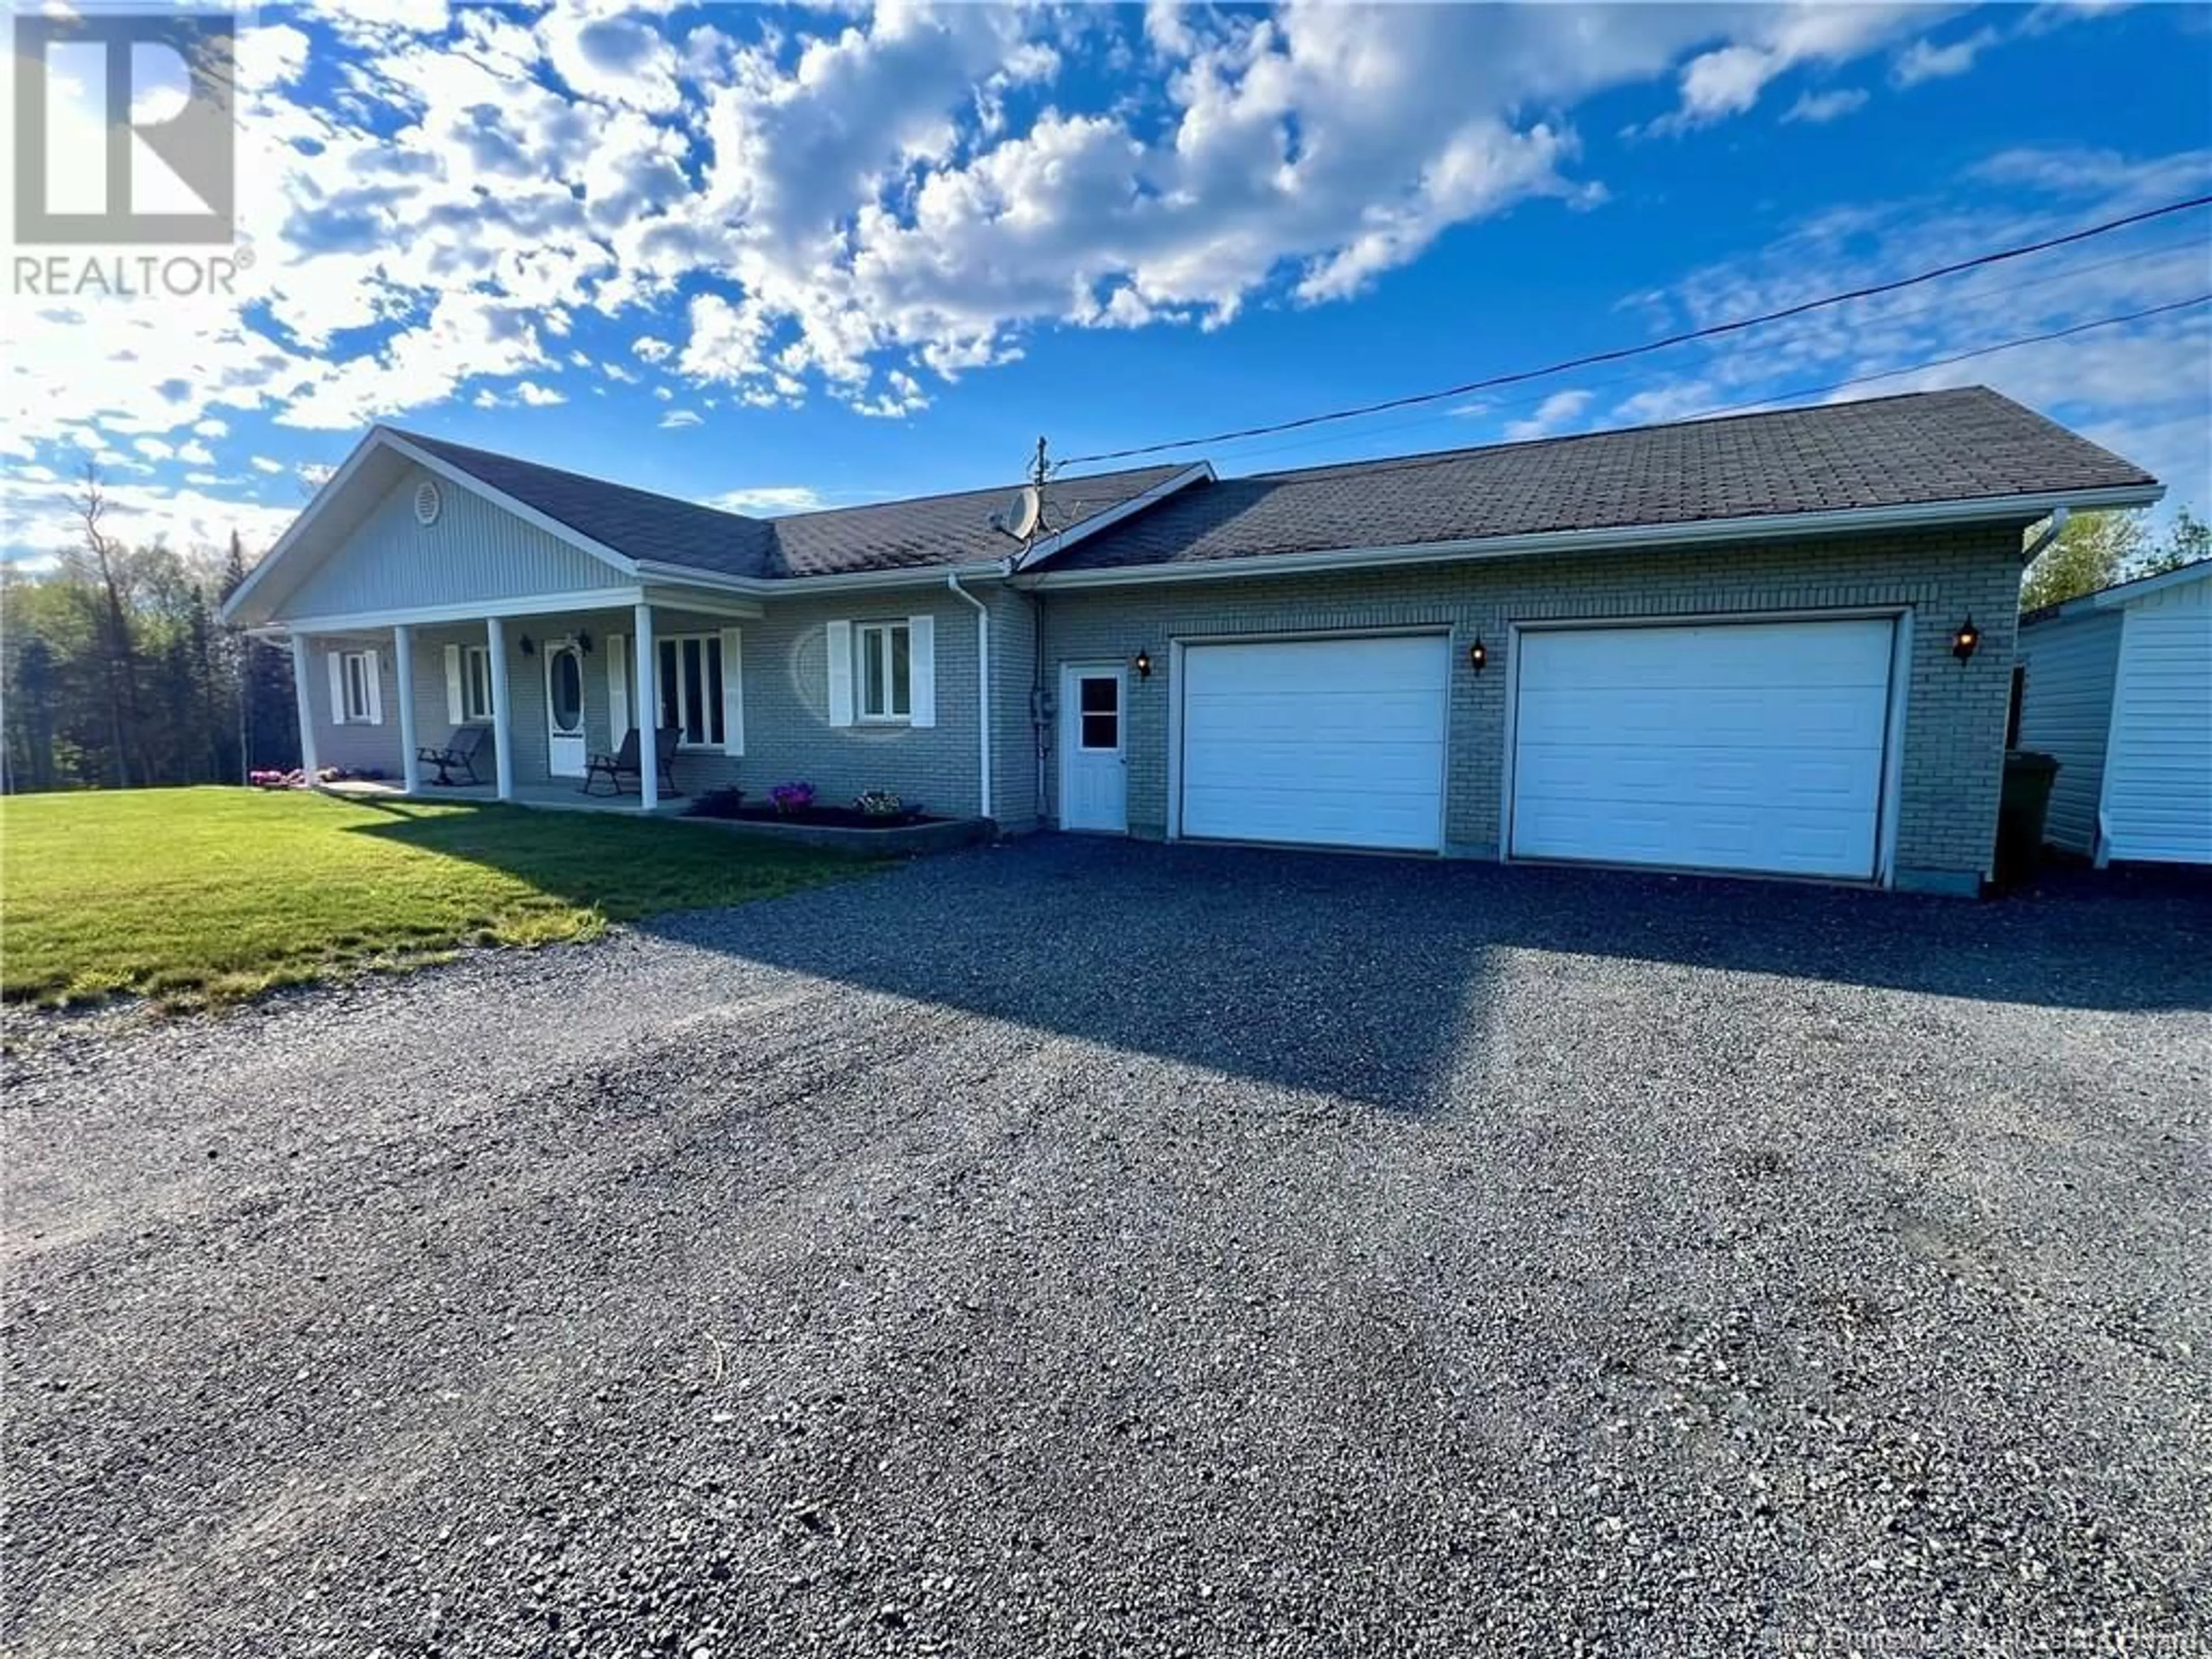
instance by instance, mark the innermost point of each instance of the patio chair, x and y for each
(461, 750)
(623, 763)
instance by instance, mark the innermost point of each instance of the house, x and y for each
(2118, 685)
(1724, 644)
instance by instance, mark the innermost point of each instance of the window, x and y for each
(689, 683)
(1099, 712)
(886, 670)
(476, 682)
(357, 690)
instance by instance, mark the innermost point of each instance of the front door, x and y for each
(1094, 756)
(564, 711)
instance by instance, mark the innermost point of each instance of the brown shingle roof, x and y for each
(1924, 447)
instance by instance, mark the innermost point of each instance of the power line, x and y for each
(1635, 377)
(1374, 469)
(1710, 331)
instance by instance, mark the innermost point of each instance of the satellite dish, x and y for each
(1023, 515)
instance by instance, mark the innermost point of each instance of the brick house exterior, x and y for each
(1907, 513)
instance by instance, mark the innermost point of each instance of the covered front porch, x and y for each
(536, 700)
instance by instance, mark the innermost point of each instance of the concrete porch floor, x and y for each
(552, 797)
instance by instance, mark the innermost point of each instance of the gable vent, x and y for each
(426, 503)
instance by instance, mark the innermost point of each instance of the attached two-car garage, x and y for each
(1757, 746)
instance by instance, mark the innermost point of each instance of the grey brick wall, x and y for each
(1952, 758)
(355, 748)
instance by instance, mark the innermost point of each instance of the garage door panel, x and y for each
(1638, 776)
(1757, 747)
(1413, 715)
(1326, 742)
(1708, 658)
(1385, 766)
(1780, 718)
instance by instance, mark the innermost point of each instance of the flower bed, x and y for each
(868, 826)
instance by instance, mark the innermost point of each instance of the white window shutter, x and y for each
(373, 671)
(733, 693)
(921, 670)
(336, 660)
(457, 701)
(618, 689)
(841, 673)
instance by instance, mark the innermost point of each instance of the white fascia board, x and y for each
(527, 604)
(1625, 540)
(620, 562)
(1041, 550)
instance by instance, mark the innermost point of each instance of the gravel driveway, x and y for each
(1107, 1248)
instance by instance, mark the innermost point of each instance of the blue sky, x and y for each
(778, 257)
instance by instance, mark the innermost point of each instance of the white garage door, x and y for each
(1743, 747)
(1337, 743)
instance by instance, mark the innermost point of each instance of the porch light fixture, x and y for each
(1478, 655)
(583, 642)
(1144, 664)
(1965, 638)
(529, 646)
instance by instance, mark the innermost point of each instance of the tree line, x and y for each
(116, 673)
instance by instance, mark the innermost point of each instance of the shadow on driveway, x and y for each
(1368, 976)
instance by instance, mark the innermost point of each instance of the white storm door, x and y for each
(1094, 756)
(564, 711)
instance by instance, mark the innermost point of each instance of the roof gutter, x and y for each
(982, 687)
(1624, 539)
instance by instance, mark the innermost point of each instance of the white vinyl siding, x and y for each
(1331, 742)
(690, 684)
(1753, 746)
(2066, 712)
(2158, 768)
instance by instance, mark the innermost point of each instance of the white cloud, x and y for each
(263, 463)
(1730, 79)
(1822, 106)
(767, 500)
(1555, 412)
(677, 418)
(2119, 383)
(1925, 61)
(860, 207)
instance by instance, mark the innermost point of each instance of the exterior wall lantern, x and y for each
(1478, 655)
(529, 646)
(1144, 664)
(1966, 640)
(583, 641)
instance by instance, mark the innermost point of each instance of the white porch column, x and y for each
(503, 717)
(302, 679)
(647, 717)
(403, 664)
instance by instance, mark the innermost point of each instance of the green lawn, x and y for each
(197, 896)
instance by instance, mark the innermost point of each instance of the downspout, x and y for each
(982, 682)
(2059, 515)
